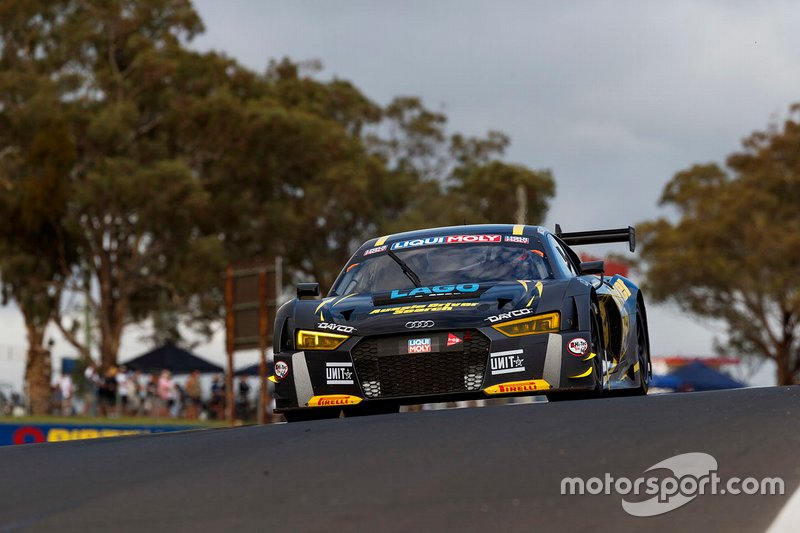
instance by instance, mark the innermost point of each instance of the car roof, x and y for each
(473, 229)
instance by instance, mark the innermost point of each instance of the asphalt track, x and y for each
(490, 469)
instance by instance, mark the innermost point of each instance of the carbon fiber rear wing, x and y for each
(602, 236)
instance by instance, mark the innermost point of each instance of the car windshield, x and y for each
(446, 264)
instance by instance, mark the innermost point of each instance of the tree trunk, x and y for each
(782, 361)
(38, 373)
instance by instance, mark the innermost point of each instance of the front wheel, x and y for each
(597, 348)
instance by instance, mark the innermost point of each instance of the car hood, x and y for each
(448, 306)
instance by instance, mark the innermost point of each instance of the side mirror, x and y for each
(307, 290)
(592, 267)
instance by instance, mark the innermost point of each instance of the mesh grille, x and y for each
(388, 376)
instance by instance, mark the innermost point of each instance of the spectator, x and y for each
(133, 385)
(151, 392)
(91, 399)
(242, 400)
(65, 384)
(194, 398)
(122, 390)
(166, 392)
(218, 397)
(108, 393)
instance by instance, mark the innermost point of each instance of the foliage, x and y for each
(733, 253)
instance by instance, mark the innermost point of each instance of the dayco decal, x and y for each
(437, 290)
(339, 373)
(423, 308)
(516, 313)
(333, 400)
(330, 326)
(507, 362)
(375, 250)
(518, 386)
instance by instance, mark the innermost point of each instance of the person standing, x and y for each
(166, 392)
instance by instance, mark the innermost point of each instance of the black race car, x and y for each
(462, 313)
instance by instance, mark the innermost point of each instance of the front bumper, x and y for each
(486, 364)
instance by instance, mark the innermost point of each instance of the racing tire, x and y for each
(642, 354)
(598, 348)
(305, 415)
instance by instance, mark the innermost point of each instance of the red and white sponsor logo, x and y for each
(452, 339)
(281, 370)
(375, 250)
(419, 345)
(578, 346)
(457, 239)
(522, 386)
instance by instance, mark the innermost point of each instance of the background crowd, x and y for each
(121, 392)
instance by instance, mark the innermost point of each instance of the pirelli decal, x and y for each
(516, 387)
(332, 400)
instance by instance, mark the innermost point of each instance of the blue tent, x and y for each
(252, 370)
(699, 377)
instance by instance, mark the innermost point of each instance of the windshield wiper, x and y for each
(406, 269)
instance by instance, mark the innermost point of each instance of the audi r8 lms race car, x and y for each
(462, 313)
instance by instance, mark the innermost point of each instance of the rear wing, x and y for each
(602, 236)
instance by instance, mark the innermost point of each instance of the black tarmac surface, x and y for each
(490, 469)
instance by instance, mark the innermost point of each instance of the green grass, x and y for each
(128, 421)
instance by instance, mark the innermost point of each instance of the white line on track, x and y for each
(789, 517)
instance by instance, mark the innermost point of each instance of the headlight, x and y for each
(316, 340)
(528, 326)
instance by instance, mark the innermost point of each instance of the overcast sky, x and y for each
(614, 97)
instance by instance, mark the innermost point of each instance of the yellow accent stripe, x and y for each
(518, 229)
(540, 288)
(524, 284)
(273, 379)
(529, 303)
(343, 299)
(590, 356)
(323, 302)
(382, 240)
(636, 367)
(591, 368)
(321, 318)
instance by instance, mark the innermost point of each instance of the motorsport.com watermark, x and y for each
(693, 474)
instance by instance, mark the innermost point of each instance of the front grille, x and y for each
(392, 375)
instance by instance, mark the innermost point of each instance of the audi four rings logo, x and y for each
(419, 324)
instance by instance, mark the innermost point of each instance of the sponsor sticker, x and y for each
(453, 339)
(281, 369)
(419, 345)
(339, 373)
(333, 400)
(517, 239)
(436, 290)
(507, 362)
(516, 313)
(578, 346)
(375, 250)
(512, 387)
(339, 328)
(451, 239)
(462, 239)
(424, 308)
